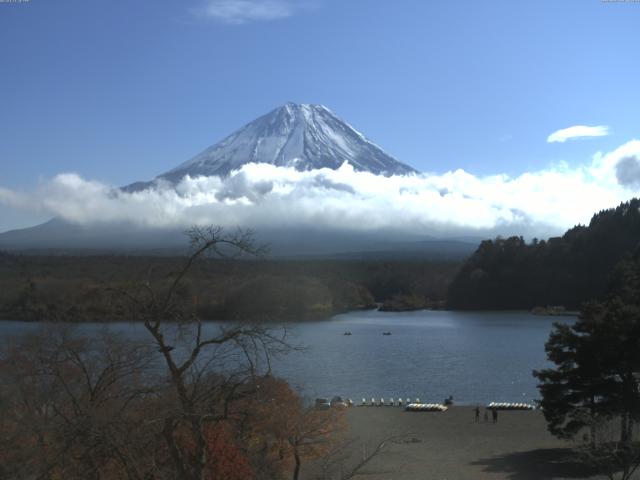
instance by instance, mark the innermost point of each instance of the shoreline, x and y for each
(451, 445)
(302, 319)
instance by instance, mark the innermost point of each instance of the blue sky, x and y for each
(120, 91)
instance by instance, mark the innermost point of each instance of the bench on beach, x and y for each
(426, 407)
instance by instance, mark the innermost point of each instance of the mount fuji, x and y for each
(302, 136)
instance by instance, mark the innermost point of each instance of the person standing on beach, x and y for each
(494, 415)
(477, 411)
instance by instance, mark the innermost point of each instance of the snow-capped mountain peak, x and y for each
(303, 136)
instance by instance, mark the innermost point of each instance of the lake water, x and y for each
(474, 356)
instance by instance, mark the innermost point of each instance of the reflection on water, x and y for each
(474, 356)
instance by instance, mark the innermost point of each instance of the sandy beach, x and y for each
(452, 446)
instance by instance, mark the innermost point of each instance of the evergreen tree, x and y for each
(568, 270)
(597, 371)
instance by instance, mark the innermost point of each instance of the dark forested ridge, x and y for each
(569, 270)
(505, 273)
(82, 288)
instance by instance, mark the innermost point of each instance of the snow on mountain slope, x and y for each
(303, 136)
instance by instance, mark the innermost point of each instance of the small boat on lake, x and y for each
(347, 333)
(386, 333)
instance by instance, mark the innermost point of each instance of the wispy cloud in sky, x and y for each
(578, 131)
(262, 195)
(244, 11)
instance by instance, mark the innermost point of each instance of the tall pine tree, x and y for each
(596, 377)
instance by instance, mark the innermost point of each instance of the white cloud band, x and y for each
(243, 11)
(577, 131)
(262, 195)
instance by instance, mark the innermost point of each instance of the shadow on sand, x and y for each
(540, 464)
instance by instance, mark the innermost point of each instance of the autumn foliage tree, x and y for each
(289, 431)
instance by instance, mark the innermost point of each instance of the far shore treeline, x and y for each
(504, 273)
(85, 288)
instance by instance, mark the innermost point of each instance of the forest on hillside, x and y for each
(509, 273)
(504, 273)
(86, 288)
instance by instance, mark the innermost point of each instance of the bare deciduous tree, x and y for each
(193, 401)
(344, 460)
(70, 407)
(237, 352)
(606, 454)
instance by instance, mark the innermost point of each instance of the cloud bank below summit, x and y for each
(265, 196)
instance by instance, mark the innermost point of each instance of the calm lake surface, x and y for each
(474, 356)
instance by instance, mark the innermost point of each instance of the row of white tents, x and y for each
(390, 403)
(416, 405)
(511, 406)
